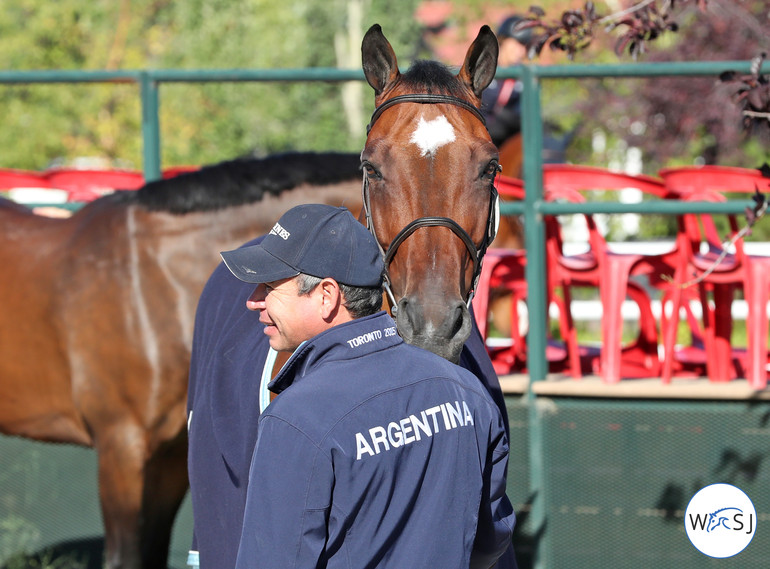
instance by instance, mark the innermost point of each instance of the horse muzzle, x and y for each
(441, 331)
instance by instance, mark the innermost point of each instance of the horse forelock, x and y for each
(425, 76)
(245, 180)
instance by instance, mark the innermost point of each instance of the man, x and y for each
(357, 457)
(501, 103)
(224, 403)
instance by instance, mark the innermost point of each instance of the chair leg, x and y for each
(669, 325)
(519, 327)
(568, 332)
(643, 353)
(481, 295)
(612, 292)
(723, 328)
(708, 333)
(757, 296)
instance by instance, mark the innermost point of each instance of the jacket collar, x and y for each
(347, 341)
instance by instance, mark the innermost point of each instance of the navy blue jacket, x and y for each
(228, 355)
(356, 463)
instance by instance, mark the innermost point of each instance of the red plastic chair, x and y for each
(502, 270)
(701, 246)
(11, 179)
(503, 273)
(609, 271)
(87, 185)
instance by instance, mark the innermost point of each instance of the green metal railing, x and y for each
(149, 82)
(533, 208)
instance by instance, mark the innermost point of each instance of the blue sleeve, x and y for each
(496, 517)
(288, 500)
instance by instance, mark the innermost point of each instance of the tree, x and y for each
(690, 118)
(200, 123)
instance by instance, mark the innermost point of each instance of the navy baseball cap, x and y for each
(314, 239)
(513, 27)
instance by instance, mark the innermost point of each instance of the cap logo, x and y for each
(280, 232)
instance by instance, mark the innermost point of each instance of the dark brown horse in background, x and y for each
(97, 320)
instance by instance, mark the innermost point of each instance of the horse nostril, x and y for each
(409, 319)
(460, 317)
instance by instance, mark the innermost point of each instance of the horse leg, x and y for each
(165, 487)
(140, 496)
(122, 455)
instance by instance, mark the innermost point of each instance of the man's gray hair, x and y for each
(360, 301)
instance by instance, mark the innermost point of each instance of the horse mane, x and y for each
(243, 180)
(432, 77)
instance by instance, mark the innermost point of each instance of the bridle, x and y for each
(493, 216)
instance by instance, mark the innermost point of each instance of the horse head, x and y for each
(718, 519)
(429, 167)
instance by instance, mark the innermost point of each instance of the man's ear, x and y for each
(330, 298)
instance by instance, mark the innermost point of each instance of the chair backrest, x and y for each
(711, 184)
(579, 178)
(723, 179)
(568, 182)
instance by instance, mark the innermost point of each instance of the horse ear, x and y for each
(480, 64)
(378, 60)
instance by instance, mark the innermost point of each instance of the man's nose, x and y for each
(256, 299)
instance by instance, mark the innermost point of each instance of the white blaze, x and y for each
(432, 135)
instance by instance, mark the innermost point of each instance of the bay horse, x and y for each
(97, 323)
(429, 166)
(430, 202)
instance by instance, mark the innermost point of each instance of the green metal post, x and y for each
(534, 238)
(534, 226)
(150, 127)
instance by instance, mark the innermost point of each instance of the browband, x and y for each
(424, 98)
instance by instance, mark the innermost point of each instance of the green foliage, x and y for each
(200, 123)
(22, 536)
(18, 534)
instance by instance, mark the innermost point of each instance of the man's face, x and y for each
(511, 52)
(289, 318)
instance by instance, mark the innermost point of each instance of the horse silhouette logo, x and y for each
(720, 518)
(717, 529)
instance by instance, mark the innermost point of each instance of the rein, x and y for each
(493, 216)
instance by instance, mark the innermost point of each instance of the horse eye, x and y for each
(492, 170)
(371, 171)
